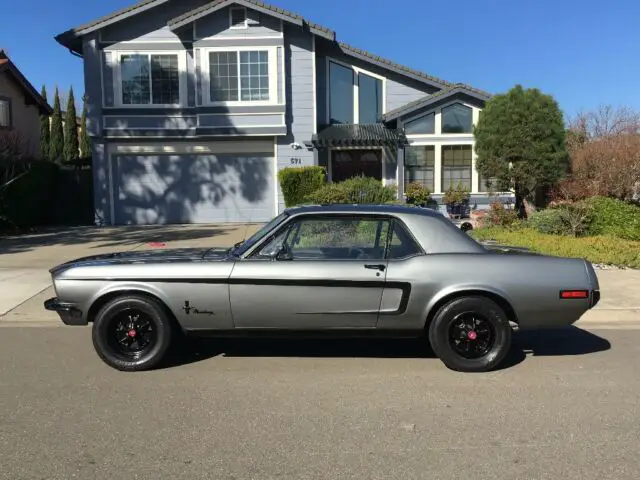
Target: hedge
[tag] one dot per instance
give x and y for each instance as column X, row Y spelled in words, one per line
column 364, row 190
column 298, row 182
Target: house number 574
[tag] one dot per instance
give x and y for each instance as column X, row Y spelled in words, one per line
column 296, row 161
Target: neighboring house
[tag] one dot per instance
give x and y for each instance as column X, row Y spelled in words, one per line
column 195, row 105
column 20, row 105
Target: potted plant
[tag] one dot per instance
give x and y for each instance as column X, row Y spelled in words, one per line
column 417, row 194
column 456, row 199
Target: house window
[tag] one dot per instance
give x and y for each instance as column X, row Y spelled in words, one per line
column 340, row 93
column 456, row 166
column 150, row 79
column 457, row 118
column 488, row 185
column 419, row 166
column 421, row 126
column 369, row 98
column 240, row 76
column 5, row 113
column 238, row 17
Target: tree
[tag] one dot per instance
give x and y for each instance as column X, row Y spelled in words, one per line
column 71, row 130
column 520, row 140
column 45, row 129
column 56, row 142
column 85, row 141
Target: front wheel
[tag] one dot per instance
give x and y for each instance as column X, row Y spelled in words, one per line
column 132, row 333
column 470, row 334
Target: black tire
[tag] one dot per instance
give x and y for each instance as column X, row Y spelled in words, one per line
column 151, row 323
column 464, row 349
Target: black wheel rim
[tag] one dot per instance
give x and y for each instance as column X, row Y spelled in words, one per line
column 471, row 335
column 131, row 334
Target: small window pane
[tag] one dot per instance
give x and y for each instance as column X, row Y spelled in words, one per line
column 223, row 76
column 165, row 80
column 419, row 166
column 457, row 118
column 340, row 239
column 369, row 99
column 134, row 70
column 401, row 245
column 488, row 185
column 422, row 125
column 340, row 93
column 5, row 114
column 456, row 166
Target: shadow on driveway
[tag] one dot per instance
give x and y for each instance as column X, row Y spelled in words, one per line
column 554, row 342
column 109, row 237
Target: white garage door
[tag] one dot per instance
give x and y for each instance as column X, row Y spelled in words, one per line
column 192, row 188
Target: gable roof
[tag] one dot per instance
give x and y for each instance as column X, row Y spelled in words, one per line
column 70, row 38
column 257, row 5
column 7, row 66
column 452, row 89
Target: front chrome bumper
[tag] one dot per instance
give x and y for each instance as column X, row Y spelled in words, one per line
column 69, row 313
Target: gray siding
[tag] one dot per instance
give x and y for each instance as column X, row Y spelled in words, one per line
column 151, row 122
column 152, row 25
column 399, row 94
column 101, row 183
column 108, row 59
column 299, row 94
column 93, row 84
column 239, row 121
column 217, row 25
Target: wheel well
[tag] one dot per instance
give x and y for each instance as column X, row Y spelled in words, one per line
column 502, row 303
column 102, row 301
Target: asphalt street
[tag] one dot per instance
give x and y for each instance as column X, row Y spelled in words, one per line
column 564, row 407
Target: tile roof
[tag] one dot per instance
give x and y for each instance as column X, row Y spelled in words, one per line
column 428, row 99
column 358, row 135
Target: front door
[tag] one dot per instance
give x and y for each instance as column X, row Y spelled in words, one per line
column 333, row 276
column 354, row 163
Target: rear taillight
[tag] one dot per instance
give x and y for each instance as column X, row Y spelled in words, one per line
column 574, row 294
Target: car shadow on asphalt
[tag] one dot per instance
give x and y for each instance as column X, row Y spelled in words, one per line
column 553, row 342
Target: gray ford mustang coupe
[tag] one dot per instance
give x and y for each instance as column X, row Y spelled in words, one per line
column 349, row 269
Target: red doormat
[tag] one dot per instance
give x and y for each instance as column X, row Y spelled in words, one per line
column 156, row 244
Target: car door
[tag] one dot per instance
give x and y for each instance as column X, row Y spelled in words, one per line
column 331, row 275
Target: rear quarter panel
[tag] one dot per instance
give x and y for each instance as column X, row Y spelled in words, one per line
column 531, row 284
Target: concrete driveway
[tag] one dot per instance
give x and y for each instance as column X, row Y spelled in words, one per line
column 26, row 259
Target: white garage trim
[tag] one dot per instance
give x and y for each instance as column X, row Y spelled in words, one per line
column 205, row 147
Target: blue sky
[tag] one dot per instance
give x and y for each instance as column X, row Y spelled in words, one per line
column 582, row 52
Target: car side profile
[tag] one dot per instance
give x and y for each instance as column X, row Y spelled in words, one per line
column 348, row 269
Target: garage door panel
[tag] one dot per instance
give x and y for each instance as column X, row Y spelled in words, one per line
column 158, row 189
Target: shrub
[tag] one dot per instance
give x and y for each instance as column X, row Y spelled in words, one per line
column 363, row 190
column 614, row 217
column 498, row 215
column 298, row 182
column 566, row 218
column 457, row 194
column 417, row 194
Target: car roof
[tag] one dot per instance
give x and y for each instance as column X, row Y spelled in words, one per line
column 364, row 208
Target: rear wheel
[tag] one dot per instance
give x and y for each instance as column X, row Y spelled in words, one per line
column 132, row 333
column 470, row 334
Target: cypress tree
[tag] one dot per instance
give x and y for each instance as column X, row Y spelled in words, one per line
column 71, row 130
column 85, row 141
column 56, row 145
column 45, row 130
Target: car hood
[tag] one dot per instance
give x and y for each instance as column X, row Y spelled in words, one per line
column 147, row 256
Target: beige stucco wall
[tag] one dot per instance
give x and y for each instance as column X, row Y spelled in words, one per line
column 25, row 118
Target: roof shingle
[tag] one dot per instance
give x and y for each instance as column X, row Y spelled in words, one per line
column 357, row 135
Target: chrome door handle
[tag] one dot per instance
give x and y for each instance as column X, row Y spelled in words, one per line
column 377, row 266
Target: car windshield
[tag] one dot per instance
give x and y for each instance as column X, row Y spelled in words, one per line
column 241, row 247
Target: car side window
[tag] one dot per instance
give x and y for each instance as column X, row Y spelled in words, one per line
column 273, row 246
column 340, row 238
column 401, row 245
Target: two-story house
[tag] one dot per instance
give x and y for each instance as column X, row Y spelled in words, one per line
column 195, row 105
column 20, row 107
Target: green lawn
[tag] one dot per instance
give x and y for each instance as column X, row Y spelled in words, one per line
column 602, row 249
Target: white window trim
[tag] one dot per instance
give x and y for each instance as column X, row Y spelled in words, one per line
column 272, row 52
column 238, row 27
column 117, row 78
column 356, row 86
